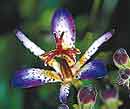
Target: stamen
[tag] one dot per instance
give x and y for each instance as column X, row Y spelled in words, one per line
column 61, row 36
column 60, row 51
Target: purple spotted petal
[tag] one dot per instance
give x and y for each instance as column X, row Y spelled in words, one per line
column 36, row 50
column 64, row 93
column 93, row 70
column 120, row 57
column 62, row 21
column 31, row 77
column 97, row 43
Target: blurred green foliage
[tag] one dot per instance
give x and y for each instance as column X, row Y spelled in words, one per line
column 35, row 20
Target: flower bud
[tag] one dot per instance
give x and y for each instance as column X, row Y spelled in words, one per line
column 124, row 77
column 110, row 97
column 87, row 95
column 120, row 57
column 109, row 92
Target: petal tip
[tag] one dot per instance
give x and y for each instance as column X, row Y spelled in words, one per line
column 63, row 106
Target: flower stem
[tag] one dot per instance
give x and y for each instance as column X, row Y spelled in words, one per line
column 114, row 105
column 88, row 106
column 83, row 106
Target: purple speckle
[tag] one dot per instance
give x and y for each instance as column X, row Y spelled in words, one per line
column 22, row 79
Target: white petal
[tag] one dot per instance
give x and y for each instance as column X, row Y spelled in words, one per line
column 36, row 50
column 32, row 77
column 92, row 50
column 29, row 44
column 64, row 93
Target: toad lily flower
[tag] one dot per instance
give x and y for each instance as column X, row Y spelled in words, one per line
column 110, row 97
column 122, row 62
column 68, row 69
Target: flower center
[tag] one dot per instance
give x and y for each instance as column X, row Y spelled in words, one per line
column 60, row 51
column 66, row 72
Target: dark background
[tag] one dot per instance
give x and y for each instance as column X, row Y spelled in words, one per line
column 92, row 18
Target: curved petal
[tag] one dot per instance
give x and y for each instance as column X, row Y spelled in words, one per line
column 33, row 77
column 36, row 50
column 29, row 44
column 121, row 58
column 92, row 50
column 62, row 22
column 64, row 93
column 93, row 70
column 63, row 106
